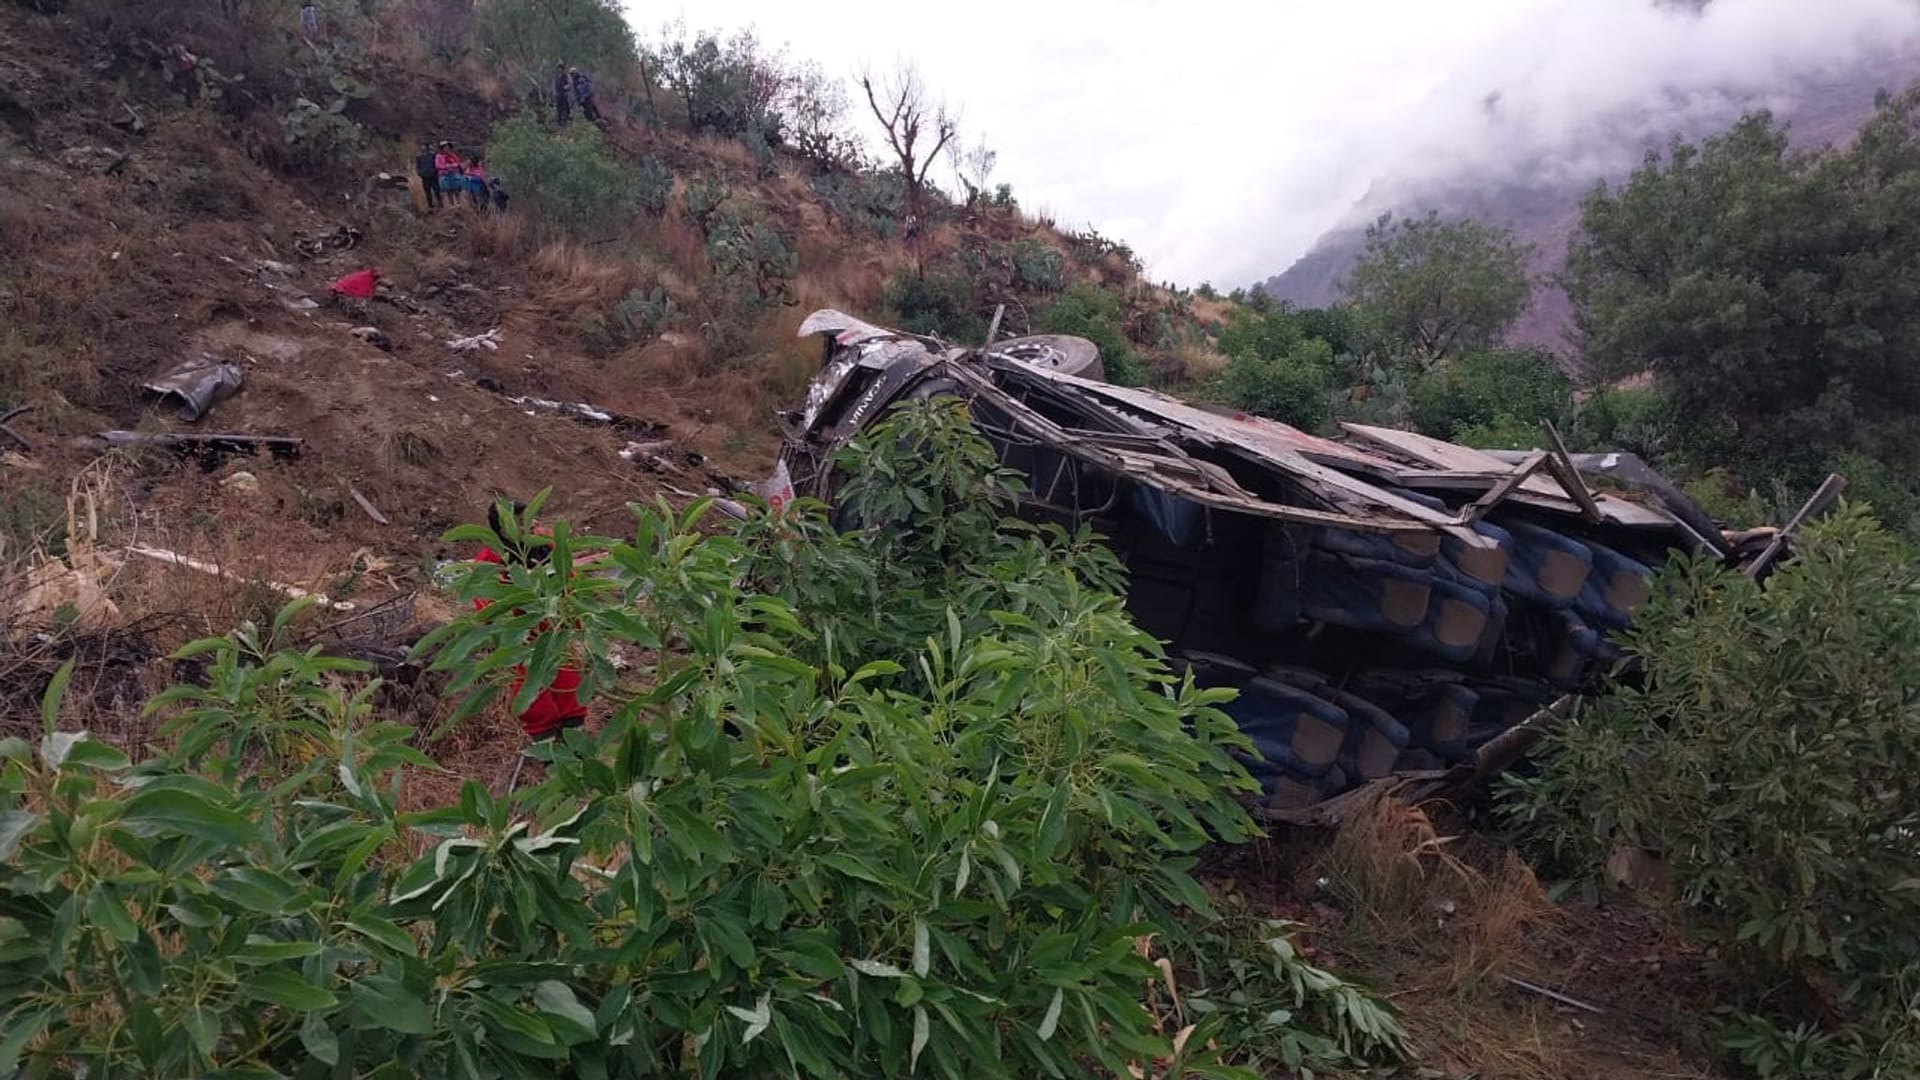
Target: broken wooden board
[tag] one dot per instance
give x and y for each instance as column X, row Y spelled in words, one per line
column 1354, row 498
column 1537, row 490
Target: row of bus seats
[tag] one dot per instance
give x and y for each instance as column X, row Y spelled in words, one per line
column 1313, row 739
column 1542, row 596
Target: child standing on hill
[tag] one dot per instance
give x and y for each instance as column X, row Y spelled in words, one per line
column 451, row 169
column 477, row 187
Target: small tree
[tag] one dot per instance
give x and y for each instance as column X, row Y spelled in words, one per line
column 973, row 168
column 1437, row 287
column 814, row 115
column 567, row 179
column 917, row 126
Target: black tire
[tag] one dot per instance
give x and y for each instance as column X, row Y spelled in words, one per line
column 1067, row 355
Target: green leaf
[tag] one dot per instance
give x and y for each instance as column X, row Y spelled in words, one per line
column 556, row 1000
column 158, row 810
column 385, row 933
column 1051, row 1022
column 922, row 948
column 50, row 701
column 877, row 969
column 105, row 911
column 318, row 1037
column 279, row 986
column 255, row 889
column 14, row 827
column 921, row 1031
column 382, row 1001
column 757, row 1019
column 19, row 1030
column 203, row 1027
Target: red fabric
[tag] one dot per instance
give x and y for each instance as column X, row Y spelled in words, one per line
column 553, row 707
column 447, row 162
column 358, row 284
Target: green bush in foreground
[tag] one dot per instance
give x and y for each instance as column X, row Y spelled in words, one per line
column 1772, row 754
column 896, row 800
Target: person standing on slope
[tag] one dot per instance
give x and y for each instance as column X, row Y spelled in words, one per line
column 451, row 170
column 556, row 708
column 583, row 90
column 477, row 187
column 428, row 170
column 562, row 95
column 309, row 19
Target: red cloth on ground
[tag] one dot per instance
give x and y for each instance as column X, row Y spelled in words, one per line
column 358, row 284
column 553, row 707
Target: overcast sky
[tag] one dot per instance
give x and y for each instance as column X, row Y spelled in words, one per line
column 1220, row 139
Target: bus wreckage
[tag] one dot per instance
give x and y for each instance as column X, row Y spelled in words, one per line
column 1392, row 608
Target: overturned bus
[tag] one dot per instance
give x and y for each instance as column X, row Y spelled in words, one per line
column 1388, row 605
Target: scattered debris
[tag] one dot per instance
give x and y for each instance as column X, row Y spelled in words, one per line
column 373, row 336
column 280, row 446
column 295, row 592
column 130, row 122
column 242, row 483
column 21, row 410
column 343, row 238
column 300, row 303
column 489, row 341
column 372, row 511
column 198, row 384
column 13, row 460
column 1552, row 994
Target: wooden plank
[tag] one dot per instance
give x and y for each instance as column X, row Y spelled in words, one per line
column 1349, row 493
column 1479, row 507
column 1569, row 476
column 1538, row 491
column 1823, row 497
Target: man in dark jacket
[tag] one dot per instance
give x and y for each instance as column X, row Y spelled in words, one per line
column 583, row 89
column 562, row 95
column 429, row 173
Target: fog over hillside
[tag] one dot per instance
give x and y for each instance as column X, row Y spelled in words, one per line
column 1580, row 92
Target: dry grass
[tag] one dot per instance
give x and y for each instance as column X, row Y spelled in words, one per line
column 723, row 149
column 676, row 244
column 1199, row 361
column 571, row 276
column 505, row 237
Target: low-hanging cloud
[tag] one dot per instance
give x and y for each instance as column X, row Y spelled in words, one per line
column 1221, row 140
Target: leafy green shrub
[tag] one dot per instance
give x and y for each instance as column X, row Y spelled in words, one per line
column 641, row 315
column 1097, row 315
column 567, row 179
column 1638, row 420
column 753, row 259
column 1003, row 198
column 1503, row 432
column 1480, row 389
column 702, row 202
column 1771, row 753
column 935, row 303
column 1037, row 266
column 1296, row 387
column 655, row 187
column 870, row 809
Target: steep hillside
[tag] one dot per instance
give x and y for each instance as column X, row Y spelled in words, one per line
column 155, row 210
column 1538, row 196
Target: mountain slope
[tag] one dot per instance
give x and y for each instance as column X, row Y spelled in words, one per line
column 1538, row 195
